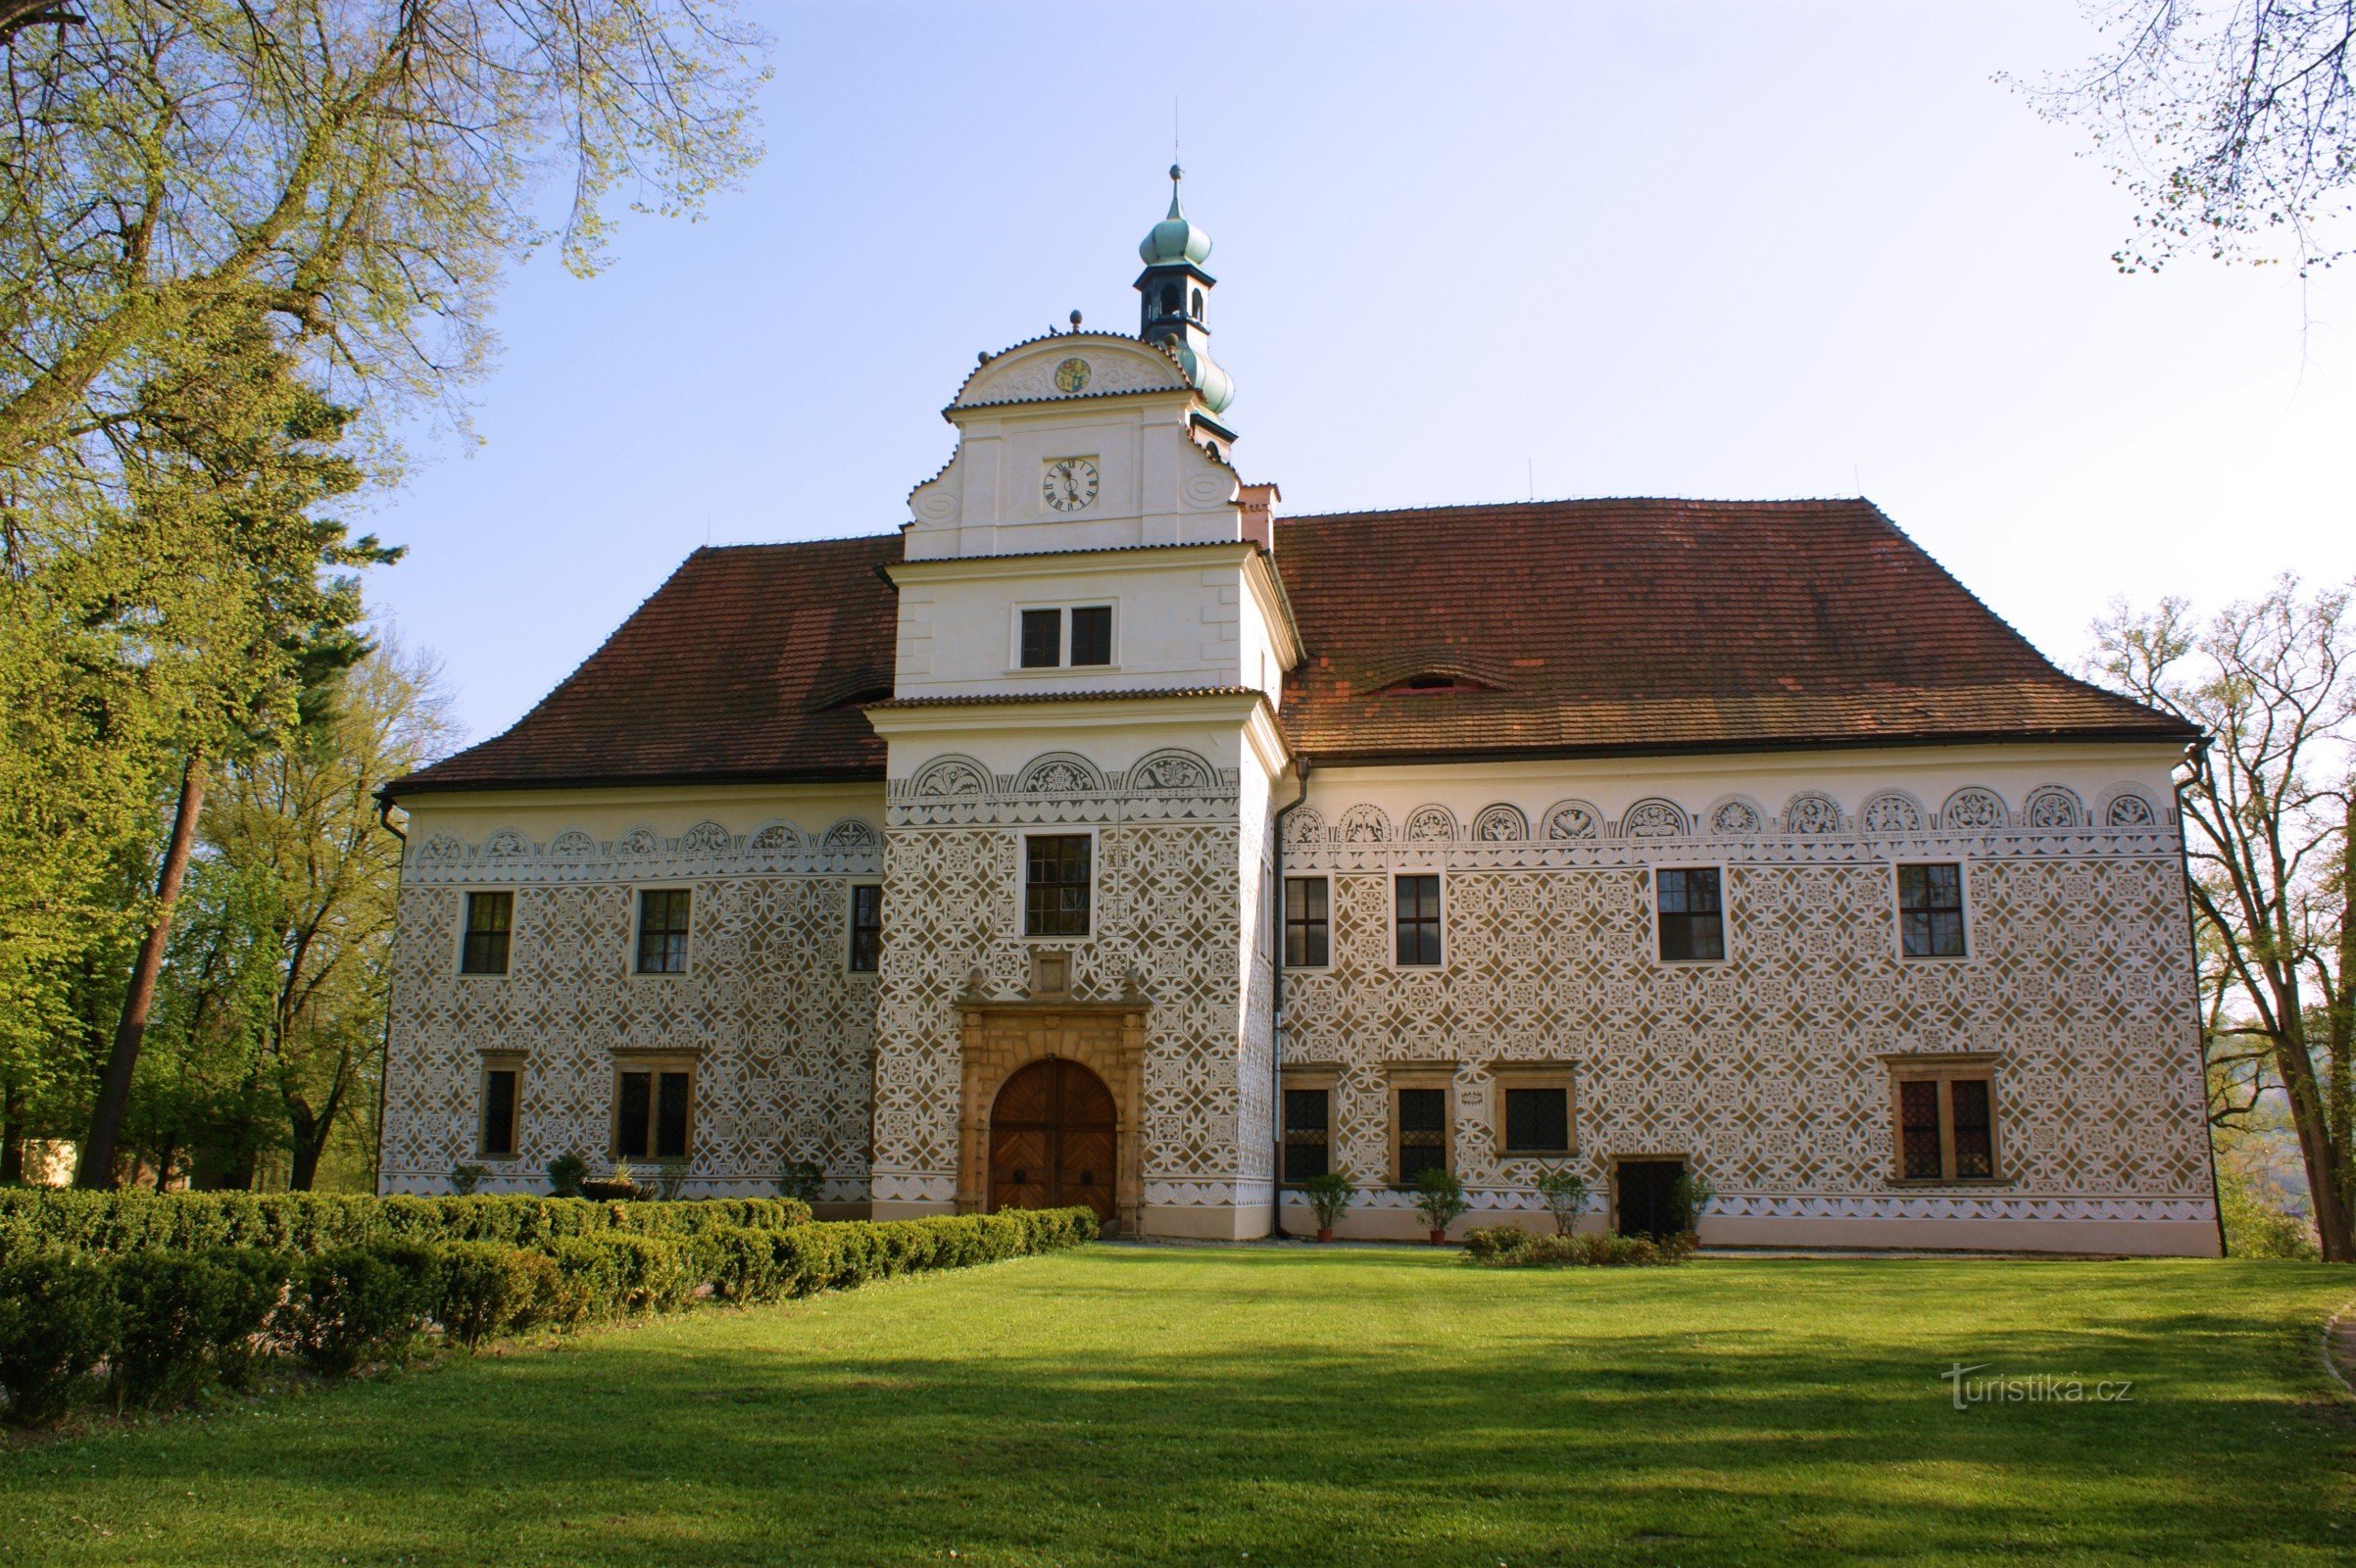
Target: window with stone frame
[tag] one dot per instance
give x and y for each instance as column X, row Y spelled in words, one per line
column 1055, row 885
column 653, row 1109
column 502, row 1108
column 490, row 926
column 867, row 927
column 1092, row 635
column 662, row 921
column 1944, row 1120
column 1307, row 927
column 1931, row 911
column 1416, row 926
column 1422, row 1132
column 1308, row 1133
column 1042, row 639
column 1692, row 913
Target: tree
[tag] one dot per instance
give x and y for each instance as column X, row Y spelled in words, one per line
column 2233, row 125
column 2267, row 805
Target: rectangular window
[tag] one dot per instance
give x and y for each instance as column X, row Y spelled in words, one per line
column 1946, row 1128
column 1422, row 1133
column 867, row 927
column 651, row 1110
column 1306, row 930
column 663, row 931
column 501, row 1100
column 1092, row 635
column 1042, row 639
column 1537, row 1121
column 1055, row 885
column 1692, row 922
column 1417, row 926
column 1931, row 911
column 1308, row 1134
column 490, row 920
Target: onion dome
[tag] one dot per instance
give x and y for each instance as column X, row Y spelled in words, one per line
column 1176, row 238
column 1211, row 383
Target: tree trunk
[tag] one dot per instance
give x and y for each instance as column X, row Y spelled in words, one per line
column 11, row 1153
column 114, row 1090
column 2317, row 1148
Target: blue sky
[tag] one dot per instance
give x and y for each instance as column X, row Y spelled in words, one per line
column 1755, row 250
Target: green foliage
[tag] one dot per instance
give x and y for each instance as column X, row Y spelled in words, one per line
column 565, row 1174
column 1511, row 1246
column 361, row 1305
column 1440, row 1198
column 803, row 1179
column 1564, row 1192
column 188, row 1319
column 316, row 1222
column 1693, row 1193
column 1329, row 1194
column 464, row 1179
column 2256, row 1223
column 58, row 1317
column 489, row 1288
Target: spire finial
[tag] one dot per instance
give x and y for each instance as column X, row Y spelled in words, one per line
column 1075, row 321
column 1176, row 175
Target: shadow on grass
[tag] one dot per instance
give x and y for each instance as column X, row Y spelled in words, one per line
column 1109, row 1408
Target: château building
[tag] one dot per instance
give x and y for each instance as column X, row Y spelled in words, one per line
column 1104, row 836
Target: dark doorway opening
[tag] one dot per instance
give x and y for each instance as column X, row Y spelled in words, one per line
column 1646, row 1196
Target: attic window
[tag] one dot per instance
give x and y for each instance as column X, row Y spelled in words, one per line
column 863, row 697
column 1433, row 682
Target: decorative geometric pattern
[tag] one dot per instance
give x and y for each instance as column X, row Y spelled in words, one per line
column 781, row 1031
column 1766, row 1070
column 1177, row 904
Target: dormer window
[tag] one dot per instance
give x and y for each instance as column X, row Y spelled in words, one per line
column 1433, row 682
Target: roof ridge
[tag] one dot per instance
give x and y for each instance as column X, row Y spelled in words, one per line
column 1756, row 504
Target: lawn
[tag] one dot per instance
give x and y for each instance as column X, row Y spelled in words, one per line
column 1292, row 1406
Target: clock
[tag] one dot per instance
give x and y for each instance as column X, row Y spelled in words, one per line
column 1070, row 483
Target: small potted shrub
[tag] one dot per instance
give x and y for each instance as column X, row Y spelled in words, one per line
column 1440, row 1200
column 1694, row 1193
column 1329, row 1194
column 622, row 1184
column 466, row 1178
column 565, row 1173
column 1564, row 1192
column 803, row 1179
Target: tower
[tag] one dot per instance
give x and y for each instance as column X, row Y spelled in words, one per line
column 1173, row 293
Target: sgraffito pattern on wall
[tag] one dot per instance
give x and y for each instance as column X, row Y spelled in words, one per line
column 783, row 1032
column 1766, row 1069
column 1168, row 895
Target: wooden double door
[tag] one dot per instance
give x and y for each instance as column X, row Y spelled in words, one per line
column 1053, row 1137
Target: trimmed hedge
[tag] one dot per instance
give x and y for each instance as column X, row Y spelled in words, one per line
column 35, row 1219
column 1511, row 1246
column 163, row 1324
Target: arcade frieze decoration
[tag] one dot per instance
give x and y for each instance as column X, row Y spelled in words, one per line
column 851, row 846
column 1168, row 785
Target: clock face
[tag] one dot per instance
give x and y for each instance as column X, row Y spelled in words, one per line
column 1070, row 483
column 1072, row 375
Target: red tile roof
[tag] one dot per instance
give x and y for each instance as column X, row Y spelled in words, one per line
column 1655, row 625
column 1570, row 627
column 742, row 667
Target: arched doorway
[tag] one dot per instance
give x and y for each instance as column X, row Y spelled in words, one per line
column 1052, row 1138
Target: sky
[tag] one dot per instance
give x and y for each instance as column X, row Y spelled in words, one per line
column 1466, row 254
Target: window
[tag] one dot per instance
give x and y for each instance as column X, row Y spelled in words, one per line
column 1092, row 634
column 1692, row 924
column 1042, row 639
column 1305, row 929
column 1537, row 1121
column 651, row 1105
column 1930, row 912
column 1417, row 927
column 1055, row 886
column 1308, row 1134
column 867, row 927
column 502, row 1100
column 1946, row 1129
column 490, row 919
column 1422, row 1133
column 663, row 931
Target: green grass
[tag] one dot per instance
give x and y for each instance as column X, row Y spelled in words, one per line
column 1284, row 1406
